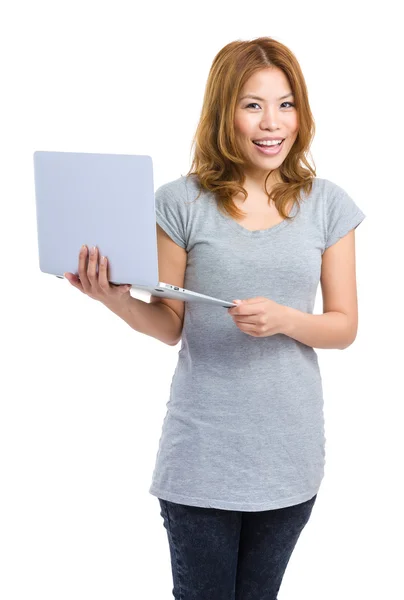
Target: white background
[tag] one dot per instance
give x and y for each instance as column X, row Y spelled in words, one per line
column 83, row 396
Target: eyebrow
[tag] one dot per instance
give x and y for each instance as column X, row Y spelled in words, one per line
column 262, row 99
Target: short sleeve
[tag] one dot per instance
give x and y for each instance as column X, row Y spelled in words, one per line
column 341, row 215
column 171, row 212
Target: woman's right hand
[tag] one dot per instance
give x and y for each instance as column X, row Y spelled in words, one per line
column 97, row 286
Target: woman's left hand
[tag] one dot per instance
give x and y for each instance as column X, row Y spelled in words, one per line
column 259, row 317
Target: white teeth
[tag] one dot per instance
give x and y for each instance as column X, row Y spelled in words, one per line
column 269, row 143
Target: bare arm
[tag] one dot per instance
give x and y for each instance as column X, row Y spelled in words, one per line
column 329, row 330
column 337, row 326
column 154, row 319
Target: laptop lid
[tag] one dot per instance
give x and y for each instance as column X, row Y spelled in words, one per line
column 103, row 200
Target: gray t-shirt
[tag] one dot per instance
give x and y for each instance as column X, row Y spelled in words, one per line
column 244, row 428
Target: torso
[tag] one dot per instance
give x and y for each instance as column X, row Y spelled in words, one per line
column 259, row 214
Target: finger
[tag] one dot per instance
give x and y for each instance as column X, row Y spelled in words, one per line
column 246, row 311
column 124, row 289
column 248, row 329
column 74, row 281
column 243, row 320
column 83, row 268
column 92, row 266
column 102, row 274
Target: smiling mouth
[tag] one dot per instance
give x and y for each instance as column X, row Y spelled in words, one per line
column 269, row 151
column 271, row 146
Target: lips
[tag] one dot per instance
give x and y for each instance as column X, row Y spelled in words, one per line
column 273, row 150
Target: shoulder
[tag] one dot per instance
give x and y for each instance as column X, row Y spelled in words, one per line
column 321, row 187
column 341, row 213
column 333, row 188
column 173, row 188
column 332, row 193
column 182, row 190
column 328, row 196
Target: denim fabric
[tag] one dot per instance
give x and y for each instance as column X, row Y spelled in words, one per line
column 231, row 555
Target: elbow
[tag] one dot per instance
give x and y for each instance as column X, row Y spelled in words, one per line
column 177, row 340
column 348, row 343
column 350, row 333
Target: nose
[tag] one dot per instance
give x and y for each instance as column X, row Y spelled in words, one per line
column 269, row 118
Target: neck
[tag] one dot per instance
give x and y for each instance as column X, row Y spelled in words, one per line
column 256, row 184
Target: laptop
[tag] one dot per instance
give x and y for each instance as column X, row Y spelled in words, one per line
column 103, row 200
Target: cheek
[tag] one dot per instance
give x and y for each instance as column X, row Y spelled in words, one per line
column 244, row 126
column 294, row 125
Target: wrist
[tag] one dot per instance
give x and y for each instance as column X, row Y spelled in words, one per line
column 118, row 305
column 287, row 322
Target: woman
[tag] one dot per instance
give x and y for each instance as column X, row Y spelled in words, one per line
column 241, row 455
column 242, row 451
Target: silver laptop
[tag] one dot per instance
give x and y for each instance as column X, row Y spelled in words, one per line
column 103, row 200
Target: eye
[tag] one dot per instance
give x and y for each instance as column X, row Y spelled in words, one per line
column 251, row 104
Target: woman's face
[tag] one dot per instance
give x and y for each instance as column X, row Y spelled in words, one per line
column 269, row 116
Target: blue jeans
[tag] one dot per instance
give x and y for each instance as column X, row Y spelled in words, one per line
column 228, row 554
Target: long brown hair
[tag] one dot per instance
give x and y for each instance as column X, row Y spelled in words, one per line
column 218, row 158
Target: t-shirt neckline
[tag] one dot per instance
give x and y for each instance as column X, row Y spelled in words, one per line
column 258, row 233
